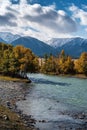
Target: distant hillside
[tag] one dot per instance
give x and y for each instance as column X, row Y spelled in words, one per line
column 1, row 40
column 38, row 47
column 72, row 46
column 8, row 37
column 58, row 42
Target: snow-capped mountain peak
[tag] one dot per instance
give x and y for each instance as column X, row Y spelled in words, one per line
column 58, row 42
column 72, row 46
column 8, row 37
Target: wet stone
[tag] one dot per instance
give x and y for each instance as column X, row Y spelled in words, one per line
column 5, row 117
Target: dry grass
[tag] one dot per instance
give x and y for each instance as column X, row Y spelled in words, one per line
column 13, row 123
column 7, row 78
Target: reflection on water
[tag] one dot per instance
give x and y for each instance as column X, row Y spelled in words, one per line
column 51, row 97
column 45, row 81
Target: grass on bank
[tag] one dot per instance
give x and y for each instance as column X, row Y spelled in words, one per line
column 8, row 78
column 13, row 122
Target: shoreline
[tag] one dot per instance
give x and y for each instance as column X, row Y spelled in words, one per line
column 14, row 79
column 80, row 76
column 11, row 92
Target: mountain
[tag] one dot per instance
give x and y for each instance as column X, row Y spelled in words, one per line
column 72, row 46
column 38, row 47
column 58, row 42
column 8, row 37
column 1, row 40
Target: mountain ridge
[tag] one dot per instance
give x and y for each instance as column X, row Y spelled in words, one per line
column 38, row 47
column 72, row 46
column 8, row 37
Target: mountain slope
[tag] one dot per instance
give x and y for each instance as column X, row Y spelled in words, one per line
column 38, row 47
column 8, row 37
column 72, row 46
column 58, row 42
column 1, row 40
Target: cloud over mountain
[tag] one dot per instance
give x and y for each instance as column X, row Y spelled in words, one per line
column 7, row 20
column 50, row 18
column 25, row 18
column 80, row 14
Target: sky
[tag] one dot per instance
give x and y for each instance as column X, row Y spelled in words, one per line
column 44, row 19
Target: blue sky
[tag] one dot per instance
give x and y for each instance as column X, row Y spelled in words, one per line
column 61, row 4
column 44, row 19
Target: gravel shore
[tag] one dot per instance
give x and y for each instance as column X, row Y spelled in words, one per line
column 10, row 93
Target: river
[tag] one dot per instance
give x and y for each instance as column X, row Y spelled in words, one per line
column 54, row 101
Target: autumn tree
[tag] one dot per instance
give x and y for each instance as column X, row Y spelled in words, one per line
column 69, row 66
column 62, row 60
column 15, row 60
column 81, row 64
column 27, row 61
column 62, row 64
column 49, row 66
column 5, row 52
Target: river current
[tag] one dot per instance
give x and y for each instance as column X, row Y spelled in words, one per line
column 51, row 100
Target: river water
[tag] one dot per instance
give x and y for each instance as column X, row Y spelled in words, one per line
column 51, row 100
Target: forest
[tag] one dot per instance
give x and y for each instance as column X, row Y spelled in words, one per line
column 20, row 60
column 17, row 60
column 63, row 64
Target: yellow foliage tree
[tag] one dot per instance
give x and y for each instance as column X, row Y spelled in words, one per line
column 81, row 64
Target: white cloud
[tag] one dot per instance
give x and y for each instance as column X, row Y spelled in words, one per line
column 23, row 2
column 3, row 5
column 86, row 29
column 25, row 19
column 50, row 18
column 79, row 14
column 61, row 12
column 84, row 6
column 73, row 8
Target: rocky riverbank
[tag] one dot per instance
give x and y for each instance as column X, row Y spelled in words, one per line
column 10, row 93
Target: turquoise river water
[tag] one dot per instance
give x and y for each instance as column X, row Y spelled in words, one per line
column 51, row 100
